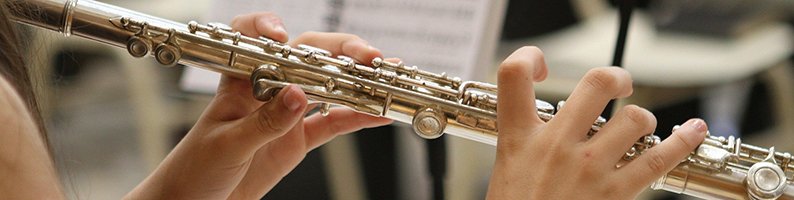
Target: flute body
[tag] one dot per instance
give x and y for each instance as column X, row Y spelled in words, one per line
column 215, row 47
column 721, row 168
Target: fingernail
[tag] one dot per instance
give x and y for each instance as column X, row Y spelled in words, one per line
column 291, row 99
column 697, row 124
column 280, row 28
column 276, row 25
column 700, row 125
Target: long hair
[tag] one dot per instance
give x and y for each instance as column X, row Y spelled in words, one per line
column 13, row 67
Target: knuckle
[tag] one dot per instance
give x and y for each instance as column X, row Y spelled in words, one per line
column 270, row 16
column 602, row 80
column 641, row 117
column 525, row 56
column 350, row 37
column 526, row 62
column 656, row 162
column 688, row 145
column 307, row 35
column 515, row 67
column 267, row 123
column 535, row 55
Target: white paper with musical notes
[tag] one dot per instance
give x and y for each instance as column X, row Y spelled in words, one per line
column 435, row 35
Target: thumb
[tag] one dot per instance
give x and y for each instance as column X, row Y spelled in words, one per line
column 273, row 119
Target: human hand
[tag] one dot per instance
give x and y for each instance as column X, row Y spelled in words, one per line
column 240, row 147
column 555, row 160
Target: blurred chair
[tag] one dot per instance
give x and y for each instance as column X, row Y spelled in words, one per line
column 676, row 62
column 155, row 118
column 654, row 58
column 670, row 67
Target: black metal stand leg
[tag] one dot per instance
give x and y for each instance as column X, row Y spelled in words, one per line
column 437, row 164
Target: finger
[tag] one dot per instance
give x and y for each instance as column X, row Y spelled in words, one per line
column 309, row 108
column 271, row 163
column 516, row 102
column 622, row 131
column 232, row 85
column 340, row 44
column 321, row 129
column 392, row 60
column 662, row 158
column 233, row 100
column 258, row 24
column 273, row 119
column 589, row 98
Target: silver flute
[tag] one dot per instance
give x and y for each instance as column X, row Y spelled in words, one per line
column 433, row 104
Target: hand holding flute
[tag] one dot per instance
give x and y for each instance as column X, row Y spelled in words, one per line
column 539, row 152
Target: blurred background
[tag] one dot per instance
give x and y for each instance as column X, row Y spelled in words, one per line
column 113, row 118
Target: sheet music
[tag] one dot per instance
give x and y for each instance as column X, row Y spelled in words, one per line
column 298, row 16
column 438, row 36
column 435, row 35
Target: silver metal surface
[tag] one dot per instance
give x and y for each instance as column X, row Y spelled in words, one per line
column 68, row 12
column 433, row 103
column 765, row 179
column 725, row 168
column 429, row 123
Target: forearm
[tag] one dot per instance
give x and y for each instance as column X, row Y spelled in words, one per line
column 169, row 183
column 184, row 174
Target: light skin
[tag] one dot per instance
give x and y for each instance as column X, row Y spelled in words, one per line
column 240, row 147
column 24, row 161
column 555, row 160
